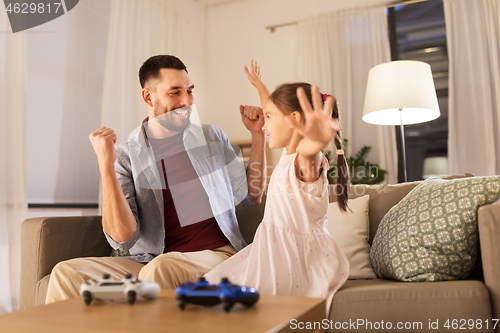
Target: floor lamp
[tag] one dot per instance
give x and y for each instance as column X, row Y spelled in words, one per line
column 400, row 93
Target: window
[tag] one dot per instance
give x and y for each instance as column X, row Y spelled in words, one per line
column 421, row 35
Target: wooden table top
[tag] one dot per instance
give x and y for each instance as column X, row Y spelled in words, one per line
column 269, row 314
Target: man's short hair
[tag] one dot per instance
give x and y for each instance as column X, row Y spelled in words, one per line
column 150, row 69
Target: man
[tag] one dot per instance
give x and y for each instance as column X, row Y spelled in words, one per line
column 168, row 207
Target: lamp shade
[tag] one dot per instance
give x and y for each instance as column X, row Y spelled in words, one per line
column 436, row 166
column 400, row 92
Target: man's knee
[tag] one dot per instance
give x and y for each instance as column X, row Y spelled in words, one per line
column 64, row 268
column 163, row 264
column 169, row 271
column 64, row 282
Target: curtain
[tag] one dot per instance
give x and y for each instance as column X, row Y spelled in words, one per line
column 138, row 29
column 473, row 37
column 336, row 51
column 13, row 202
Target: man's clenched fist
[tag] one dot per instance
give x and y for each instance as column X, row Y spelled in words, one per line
column 252, row 117
column 103, row 140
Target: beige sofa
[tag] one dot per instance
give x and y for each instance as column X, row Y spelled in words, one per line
column 358, row 305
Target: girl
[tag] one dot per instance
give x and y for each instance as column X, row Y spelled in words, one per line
column 292, row 252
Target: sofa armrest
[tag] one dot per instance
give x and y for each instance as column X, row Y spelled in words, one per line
column 489, row 234
column 48, row 240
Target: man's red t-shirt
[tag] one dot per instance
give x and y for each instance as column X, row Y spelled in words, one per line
column 199, row 230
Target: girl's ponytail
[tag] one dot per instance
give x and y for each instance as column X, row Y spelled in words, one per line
column 342, row 179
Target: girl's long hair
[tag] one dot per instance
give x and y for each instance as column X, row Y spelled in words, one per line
column 285, row 99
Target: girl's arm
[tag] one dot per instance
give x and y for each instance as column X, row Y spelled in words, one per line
column 309, row 158
column 253, row 75
column 319, row 129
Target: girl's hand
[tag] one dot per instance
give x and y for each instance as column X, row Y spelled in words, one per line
column 253, row 74
column 319, row 125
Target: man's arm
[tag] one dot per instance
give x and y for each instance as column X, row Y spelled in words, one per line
column 117, row 218
column 253, row 119
column 256, row 171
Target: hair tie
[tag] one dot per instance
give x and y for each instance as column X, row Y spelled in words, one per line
column 325, row 96
column 340, row 152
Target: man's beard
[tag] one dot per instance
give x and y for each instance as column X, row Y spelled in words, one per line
column 167, row 120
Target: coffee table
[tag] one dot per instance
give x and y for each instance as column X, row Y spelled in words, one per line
column 269, row 314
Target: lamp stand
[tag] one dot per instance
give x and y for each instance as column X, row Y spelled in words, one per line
column 403, row 143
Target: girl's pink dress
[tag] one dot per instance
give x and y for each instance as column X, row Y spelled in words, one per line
column 292, row 252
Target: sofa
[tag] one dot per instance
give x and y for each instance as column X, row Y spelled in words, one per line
column 363, row 304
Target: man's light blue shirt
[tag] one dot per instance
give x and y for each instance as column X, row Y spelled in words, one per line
column 220, row 171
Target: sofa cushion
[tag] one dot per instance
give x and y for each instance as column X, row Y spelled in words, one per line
column 41, row 290
column 432, row 234
column 382, row 198
column 393, row 301
column 350, row 231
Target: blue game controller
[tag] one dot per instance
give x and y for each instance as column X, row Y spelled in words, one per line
column 203, row 293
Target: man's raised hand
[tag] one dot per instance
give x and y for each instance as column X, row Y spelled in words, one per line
column 103, row 141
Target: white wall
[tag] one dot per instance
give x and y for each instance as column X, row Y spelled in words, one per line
column 65, row 60
column 236, row 32
column 65, row 69
column 194, row 56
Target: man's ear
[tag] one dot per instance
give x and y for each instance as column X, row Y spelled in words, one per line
column 147, row 96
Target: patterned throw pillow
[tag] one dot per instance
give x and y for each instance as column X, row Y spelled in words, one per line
column 432, row 233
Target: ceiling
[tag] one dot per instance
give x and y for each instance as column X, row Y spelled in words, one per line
column 214, row 2
column 218, row 2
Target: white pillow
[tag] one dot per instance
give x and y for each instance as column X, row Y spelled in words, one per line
column 351, row 232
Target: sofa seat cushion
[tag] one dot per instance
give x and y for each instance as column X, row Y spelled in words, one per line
column 41, row 290
column 394, row 301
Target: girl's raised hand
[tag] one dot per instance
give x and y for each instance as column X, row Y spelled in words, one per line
column 253, row 74
column 319, row 125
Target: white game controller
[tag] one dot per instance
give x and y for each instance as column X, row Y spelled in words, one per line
column 109, row 289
